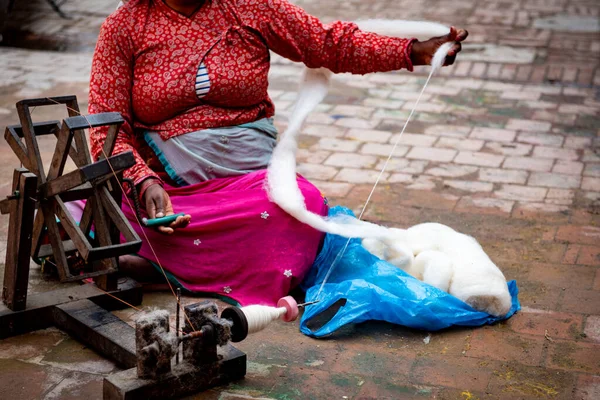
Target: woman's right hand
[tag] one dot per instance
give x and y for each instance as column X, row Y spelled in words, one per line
column 158, row 204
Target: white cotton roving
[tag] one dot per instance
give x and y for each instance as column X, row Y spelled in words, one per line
column 435, row 268
column 450, row 261
column 281, row 184
column 394, row 251
column 434, row 253
column 421, row 30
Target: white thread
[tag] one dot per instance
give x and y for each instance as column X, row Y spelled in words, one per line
column 436, row 63
column 259, row 317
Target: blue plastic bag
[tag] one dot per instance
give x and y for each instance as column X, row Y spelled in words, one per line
column 376, row 290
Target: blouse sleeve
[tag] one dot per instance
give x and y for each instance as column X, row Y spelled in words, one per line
column 110, row 90
column 340, row 46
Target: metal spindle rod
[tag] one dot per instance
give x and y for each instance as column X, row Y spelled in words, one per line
column 177, row 322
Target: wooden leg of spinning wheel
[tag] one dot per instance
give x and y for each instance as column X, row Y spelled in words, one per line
column 108, row 283
column 115, row 234
column 16, row 273
column 102, row 231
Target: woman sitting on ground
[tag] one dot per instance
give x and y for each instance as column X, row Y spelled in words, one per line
column 190, row 80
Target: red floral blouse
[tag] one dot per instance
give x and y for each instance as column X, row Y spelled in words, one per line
column 147, row 57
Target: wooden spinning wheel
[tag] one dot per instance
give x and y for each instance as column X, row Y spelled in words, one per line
column 49, row 190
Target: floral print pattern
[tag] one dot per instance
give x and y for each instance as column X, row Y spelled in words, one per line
column 148, row 55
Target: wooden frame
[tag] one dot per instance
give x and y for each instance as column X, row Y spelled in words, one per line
column 90, row 182
column 16, row 268
column 82, row 311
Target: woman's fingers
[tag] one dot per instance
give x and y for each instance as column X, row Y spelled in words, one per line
column 155, row 201
column 156, row 209
column 181, row 221
column 166, row 230
column 457, row 47
column 450, row 60
column 451, row 37
column 456, row 35
column 454, row 50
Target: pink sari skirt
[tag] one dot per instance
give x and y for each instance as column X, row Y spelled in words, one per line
column 239, row 245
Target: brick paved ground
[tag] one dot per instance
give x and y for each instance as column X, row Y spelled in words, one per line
column 505, row 147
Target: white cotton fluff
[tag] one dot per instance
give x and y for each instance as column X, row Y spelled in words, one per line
column 450, row 261
column 397, row 252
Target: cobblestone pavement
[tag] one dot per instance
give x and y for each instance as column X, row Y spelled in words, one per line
column 505, row 147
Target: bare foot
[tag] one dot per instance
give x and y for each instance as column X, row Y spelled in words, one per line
column 139, row 269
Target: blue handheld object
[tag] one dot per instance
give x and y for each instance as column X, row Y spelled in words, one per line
column 162, row 221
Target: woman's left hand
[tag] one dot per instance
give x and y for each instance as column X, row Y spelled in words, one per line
column 422, row 52
column 158, row 204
